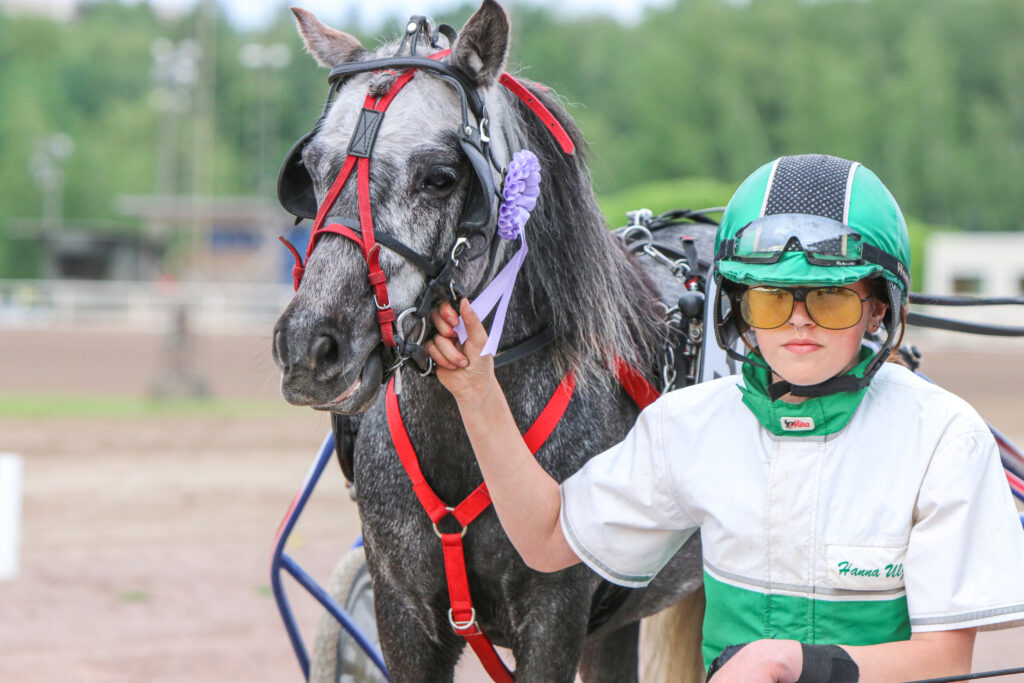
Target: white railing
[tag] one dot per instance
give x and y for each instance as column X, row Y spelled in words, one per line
column 213, row 306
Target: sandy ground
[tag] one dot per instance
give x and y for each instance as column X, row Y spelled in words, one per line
column 146, row 542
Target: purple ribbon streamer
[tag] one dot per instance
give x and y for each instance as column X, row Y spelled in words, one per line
column 497, row 292
column 519, row 195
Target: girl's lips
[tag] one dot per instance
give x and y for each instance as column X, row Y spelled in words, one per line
column 802, row 346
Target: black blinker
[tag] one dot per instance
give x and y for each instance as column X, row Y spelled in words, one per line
column 294, row 183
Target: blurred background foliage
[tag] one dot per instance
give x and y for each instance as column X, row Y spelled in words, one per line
column 677, row 108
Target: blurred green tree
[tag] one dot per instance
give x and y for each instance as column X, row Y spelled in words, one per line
column 928, row 93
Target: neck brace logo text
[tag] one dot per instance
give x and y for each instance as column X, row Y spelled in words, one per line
column 797, row 424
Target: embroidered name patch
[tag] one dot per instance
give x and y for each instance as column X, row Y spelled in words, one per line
column 797, row 424
column 864, row 567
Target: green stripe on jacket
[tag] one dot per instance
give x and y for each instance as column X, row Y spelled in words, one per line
column 737, row 615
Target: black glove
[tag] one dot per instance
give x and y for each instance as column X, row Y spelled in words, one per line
column 822, row 664
column 827, row 664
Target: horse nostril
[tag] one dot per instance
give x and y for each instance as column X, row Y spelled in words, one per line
column 325, row 353
column 280, row 350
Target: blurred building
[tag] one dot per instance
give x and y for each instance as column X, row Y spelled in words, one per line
column 65, row 10
column 975, row 263
column 221, row 239
column 984, row 264
column 62, row 10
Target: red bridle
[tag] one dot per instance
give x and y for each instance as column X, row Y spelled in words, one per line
column 365, row 238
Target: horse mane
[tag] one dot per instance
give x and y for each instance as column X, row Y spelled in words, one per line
column 599, row 302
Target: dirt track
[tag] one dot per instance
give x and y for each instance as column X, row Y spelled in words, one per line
column 146, row 542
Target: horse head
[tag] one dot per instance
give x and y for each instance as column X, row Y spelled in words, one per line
column 399, row 175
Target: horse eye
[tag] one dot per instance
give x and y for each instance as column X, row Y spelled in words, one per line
column 439, row 179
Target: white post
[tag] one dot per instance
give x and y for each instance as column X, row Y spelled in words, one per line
column 10, row 514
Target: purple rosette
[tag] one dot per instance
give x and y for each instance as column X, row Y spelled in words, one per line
column 519, row 194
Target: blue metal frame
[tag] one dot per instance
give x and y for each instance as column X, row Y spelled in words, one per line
column 282, row 560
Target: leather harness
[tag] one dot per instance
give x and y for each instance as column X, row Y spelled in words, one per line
column 295, row 192
column 462, row 615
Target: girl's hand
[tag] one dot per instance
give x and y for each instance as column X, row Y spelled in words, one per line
column 763, row 661
column 460, row 367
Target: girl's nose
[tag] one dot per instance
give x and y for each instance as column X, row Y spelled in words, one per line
column 799, row 317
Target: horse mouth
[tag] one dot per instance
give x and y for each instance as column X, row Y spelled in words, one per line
column 358, row 395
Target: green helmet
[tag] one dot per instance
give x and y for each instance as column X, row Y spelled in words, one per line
column 811, row 219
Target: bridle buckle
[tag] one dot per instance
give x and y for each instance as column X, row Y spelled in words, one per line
column 457, row 248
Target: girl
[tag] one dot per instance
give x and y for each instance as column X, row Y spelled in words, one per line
column 856, row 524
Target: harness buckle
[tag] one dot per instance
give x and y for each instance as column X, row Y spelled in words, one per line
column 462, row 625
column 462, row 534
column 639, row 216
column 377, row 304
column 484, row 136
column 681, row 269
column 459, row 247
column 400, row 323
column 627, row 234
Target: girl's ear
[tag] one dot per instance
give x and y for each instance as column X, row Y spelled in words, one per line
column 876, row 314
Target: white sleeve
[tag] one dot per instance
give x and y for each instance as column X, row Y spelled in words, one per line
column 965, row 560
column 620, row 513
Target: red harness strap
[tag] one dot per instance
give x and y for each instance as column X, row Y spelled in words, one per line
column 462, row 614
column 636, row 385
column 538, row 108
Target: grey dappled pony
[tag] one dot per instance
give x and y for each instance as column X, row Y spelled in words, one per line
column 577, row 279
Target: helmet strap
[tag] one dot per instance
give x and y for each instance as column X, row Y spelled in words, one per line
column 728, row 344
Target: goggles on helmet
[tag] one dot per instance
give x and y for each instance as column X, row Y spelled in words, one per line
column 833, row 308
column 823, row 241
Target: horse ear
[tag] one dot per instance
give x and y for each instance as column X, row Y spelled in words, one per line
column 328, row 46
column 482, row 45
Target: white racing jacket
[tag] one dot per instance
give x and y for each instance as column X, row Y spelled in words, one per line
column 902, row 521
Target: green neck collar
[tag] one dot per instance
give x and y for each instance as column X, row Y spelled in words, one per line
column 815, row 416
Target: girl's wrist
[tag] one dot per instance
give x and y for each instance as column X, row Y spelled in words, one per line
column 785, row 658
column 477, row 394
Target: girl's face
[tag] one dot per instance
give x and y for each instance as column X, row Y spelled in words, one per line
column 802, row 353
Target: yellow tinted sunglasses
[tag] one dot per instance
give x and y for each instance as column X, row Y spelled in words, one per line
column 833, row 308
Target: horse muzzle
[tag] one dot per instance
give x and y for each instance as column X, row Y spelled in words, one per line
column 320, row 368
